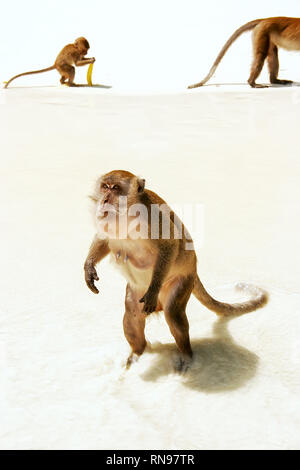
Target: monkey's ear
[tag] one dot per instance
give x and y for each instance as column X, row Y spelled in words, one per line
column 141, row 185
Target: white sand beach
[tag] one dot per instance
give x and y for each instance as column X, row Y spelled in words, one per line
column 235, row 150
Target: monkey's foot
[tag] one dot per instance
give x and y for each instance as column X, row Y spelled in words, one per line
column 182, row 364
column 257, row 85
column 281, row 82
column 131, row 360
column 69, row 84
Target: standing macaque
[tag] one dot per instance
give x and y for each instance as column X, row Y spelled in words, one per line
column 70, row 55
column 161, row 271
column 268, row 35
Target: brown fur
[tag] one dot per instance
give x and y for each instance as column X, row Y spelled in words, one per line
column 268, row 35
column 161, row 273
column 70, row 55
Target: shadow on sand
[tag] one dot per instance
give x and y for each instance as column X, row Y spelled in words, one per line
column 268, row 85
column 219, row 364
column 93, row 86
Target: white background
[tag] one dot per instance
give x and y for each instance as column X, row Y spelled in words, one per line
column 139, row 45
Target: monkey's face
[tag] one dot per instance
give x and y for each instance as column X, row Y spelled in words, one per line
column 116, row 191
column 117, row 195
column 82, row 44
column 109, row 197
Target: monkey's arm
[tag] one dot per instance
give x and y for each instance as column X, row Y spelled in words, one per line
column 98, row 250
column 162, row 265
column 81, row 62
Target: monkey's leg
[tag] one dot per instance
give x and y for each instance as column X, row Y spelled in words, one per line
column 260, row 52
column 174, row 297
column 134, row 324
column 273, row 64
column 67, row 73
column 71, row 76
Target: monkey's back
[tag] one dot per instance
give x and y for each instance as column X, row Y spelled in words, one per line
column 69, row 54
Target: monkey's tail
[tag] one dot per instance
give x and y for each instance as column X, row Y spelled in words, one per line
column 259, row 299
column 29, row 73
column 235, row 35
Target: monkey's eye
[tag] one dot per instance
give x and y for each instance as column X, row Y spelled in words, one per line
column 116, row 187
column 104, row 186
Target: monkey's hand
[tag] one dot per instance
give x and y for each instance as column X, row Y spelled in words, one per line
column 90, row 277
column 150, row 301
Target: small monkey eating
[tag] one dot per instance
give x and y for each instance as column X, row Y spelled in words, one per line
column 154, row 252
column 268, row 35
column 70, row 55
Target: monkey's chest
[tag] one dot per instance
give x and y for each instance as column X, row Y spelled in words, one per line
column 136, row 265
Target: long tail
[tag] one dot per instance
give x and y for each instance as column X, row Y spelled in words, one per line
column 259, row 299
column 29, row 73
column 236, row 34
